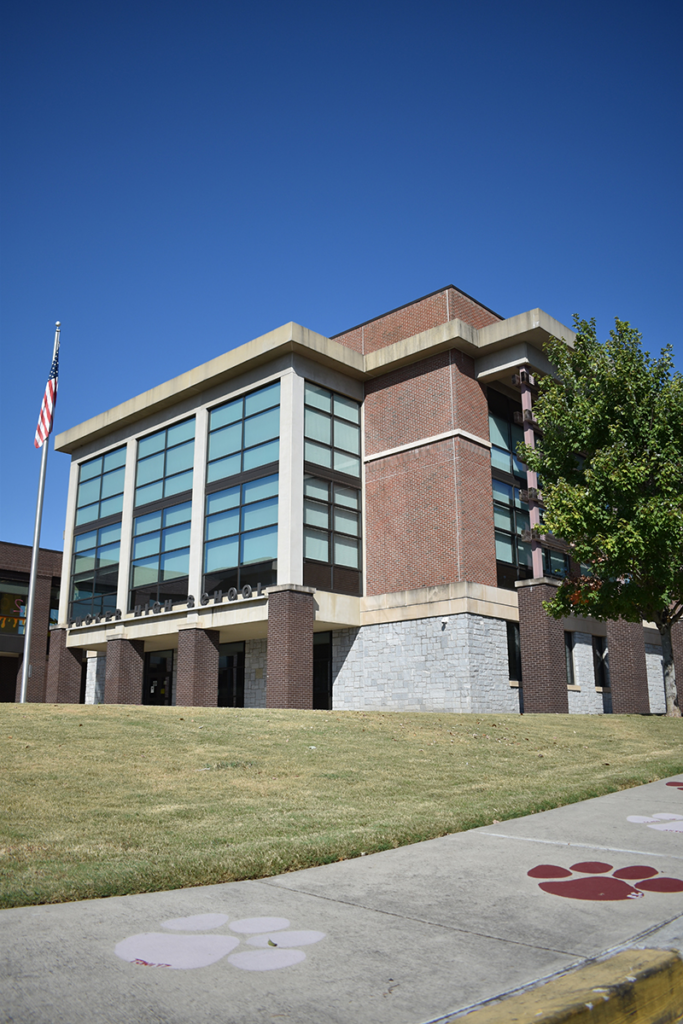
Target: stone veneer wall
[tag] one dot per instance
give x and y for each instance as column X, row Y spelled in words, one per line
column 255, row 667
column 586, row 701
column 655, row 678
column 424, row 665
column 94, row 679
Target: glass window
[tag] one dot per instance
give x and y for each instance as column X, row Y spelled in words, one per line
column 331, row 430
column 331, row 526
column 13, row 597
column 316, row 545
column 244, row 433
column 95, row 571
column 161, row 553
column 241, row 524
column 165, row 461
column 100, row 487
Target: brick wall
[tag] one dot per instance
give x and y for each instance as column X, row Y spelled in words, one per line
column 197, row 677
column 125, row 671
column 415, row 317
column 544, row 673
column 64, row 671
column 627, row 668
column 289, row 681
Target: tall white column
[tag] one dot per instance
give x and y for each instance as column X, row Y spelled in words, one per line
column 201, row 435
column 65, row 586
column 127, row 525
column 290, row 552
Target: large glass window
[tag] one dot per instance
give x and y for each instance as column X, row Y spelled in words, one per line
column 13, row 597
column 244, row 434
column 505, row 437
column 100, row 487
column 331, row 523
column 161, row 556
column 332, row 431
column 241, row 533
column 510, row 518
column 95, row 571
column 165, row 461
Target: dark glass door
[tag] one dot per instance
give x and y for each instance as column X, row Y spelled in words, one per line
column 322, row 671
column 158, row 681
column 231, row 675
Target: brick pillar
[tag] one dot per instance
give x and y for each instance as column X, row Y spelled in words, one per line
column 541, row 640
column 36, row 689
column 64, row 671
column 124, row 673
column 677, row 644
column 627, row 668
column 291, row 613
column 197, row 678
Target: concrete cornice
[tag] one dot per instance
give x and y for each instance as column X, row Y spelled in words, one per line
column 495, row 348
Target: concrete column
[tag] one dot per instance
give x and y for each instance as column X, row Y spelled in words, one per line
column 201, row 443
column 65, row 591
column 291, row 613
column 123, row 588
column 125, row 671
column 290, row 548
column 541, row 638
column 627, row 668
column 64, row 671
column 197, row 676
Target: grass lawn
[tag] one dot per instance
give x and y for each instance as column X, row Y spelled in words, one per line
column 106, row 800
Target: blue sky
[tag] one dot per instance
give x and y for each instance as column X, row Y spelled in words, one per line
column 179, row 178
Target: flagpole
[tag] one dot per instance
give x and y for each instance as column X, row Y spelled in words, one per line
column 26, row 666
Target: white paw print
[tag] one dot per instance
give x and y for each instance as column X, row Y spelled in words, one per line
column 661, row 822
column 273, row 945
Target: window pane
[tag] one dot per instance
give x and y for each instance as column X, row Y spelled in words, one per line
column 223, row 524
column 347, row 437
column 180, row 458
column 264, row 398
column 90, row 469
column 347, row 496
column 111, row 506
column 256, row 490
column 147, row 545
column 218, row 502
column 87, row 514
column 262, row 513
column 85, row 541
column 314, row 488
column 178, row 483
column 523, row 553
column 178, row 514
column 318, row 426
column 224, row 467
column 89, row 491
column 84, row 562
column 317, row 454
column 176, row 537
column 316, row 545
column 504, row 549
column 347, row 463
column 146, row 524
column 145, row 572
column 108, row 555
column 502, row 492
column 261, row 456
column 259, row 545
column 498, row 431
column 500, row 460
column 519, row 503
column 112, row 483
column 517, row 436
column 151, row 468
column 112, row 460
column 519, row 469
column 151, row 444
column 316, row 515
column 502, row 518
column 319, row 397
column 225, row 441
column 177, row 563
column 522, row 519
column 347, row 409
column 262, row 427
column 229, row 413
column 180, row 432
column 346, row 522
column 220, row 554
column 152, row 492
column 346, row 552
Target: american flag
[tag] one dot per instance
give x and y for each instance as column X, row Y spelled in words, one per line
column 47, row 409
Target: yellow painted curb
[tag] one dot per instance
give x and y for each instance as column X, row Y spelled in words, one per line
column 639, row 986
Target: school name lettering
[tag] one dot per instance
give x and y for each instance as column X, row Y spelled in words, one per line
column 245, row 594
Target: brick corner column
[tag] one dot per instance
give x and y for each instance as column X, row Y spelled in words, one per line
column 541, row 641
column 124, row 672
column 289, row 680
column 64, row 671
column 677, row 645
column 627, row 668
column 197, row 677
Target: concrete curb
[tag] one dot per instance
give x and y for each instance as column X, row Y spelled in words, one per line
column 638, row 986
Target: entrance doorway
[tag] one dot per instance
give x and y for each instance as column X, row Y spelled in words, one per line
column 231, row 675
column 158, row 680
column 322, row 671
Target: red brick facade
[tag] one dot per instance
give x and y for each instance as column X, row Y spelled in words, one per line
column 541, row 638
column 627, row 668
column 289, row 682
column 64, row 671
column 125, row 672
column 421, row 315
column 197, row 676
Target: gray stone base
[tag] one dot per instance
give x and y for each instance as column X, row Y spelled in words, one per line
column 94, row 678
column 655, row 679
column 255, row 661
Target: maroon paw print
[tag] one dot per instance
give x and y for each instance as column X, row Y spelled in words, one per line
column 676, row 785
column 625, row 884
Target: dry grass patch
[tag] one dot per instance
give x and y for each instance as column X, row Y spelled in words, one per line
column 107, row 800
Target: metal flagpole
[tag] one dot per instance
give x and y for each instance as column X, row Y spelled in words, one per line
column 26, row 666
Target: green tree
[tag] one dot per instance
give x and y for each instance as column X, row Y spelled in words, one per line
column 611, row 464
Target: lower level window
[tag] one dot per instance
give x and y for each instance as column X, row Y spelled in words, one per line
column 95, row 571
column 240, row 538
column 161, row 556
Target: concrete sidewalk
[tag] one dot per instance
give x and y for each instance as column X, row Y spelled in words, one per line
column 407, row 936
